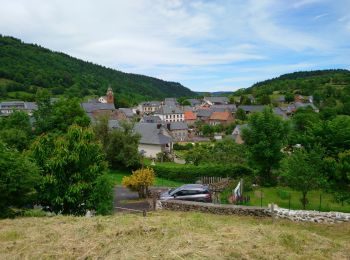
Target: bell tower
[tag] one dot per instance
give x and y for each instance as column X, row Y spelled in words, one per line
column 110, row 96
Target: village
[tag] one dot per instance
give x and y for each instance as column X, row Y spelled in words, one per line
column 163, row 123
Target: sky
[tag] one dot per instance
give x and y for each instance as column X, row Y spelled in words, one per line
column 205, row 45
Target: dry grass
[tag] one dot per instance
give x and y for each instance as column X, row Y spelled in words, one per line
column 170, row 235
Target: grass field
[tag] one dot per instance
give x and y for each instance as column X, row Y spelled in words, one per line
column 170, row 235
column 280, row 195
column 117, row 176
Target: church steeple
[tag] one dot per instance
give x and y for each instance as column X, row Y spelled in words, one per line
column 110, row 96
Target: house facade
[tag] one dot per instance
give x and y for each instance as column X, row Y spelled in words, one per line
column 179, row 131
column 170, row 114
column 155, row 138
column 149, row 107
column 221, row 118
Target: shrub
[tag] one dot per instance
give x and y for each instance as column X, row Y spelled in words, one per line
column 191, row 173
column 180, row 147
column 139, row 181
column 102, row 195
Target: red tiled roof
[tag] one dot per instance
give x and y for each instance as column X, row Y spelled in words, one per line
column 189, row 115
column 224, row 116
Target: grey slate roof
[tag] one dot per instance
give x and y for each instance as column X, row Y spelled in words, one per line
column 113, row 124
column 221, row 100
column 222, row 108
column 151, row 104
column 170, row 101
column 252, row 108
column 278, row 111
column 90, row 107
column 167, row 110
column 150, row 134
column 21, row 105
column 204, row 112
column 178, row 126
column 194, row 101
column 127, row 112
column 150, row 119
column 305, row 105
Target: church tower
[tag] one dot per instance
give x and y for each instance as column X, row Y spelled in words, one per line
column 110, row 96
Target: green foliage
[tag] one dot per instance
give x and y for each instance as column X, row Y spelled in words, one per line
column 18, row 176
column 304, row 171
column 58, row 115
column 70, row 164
column 191, row 173
column 264, row 137
column 180, row 147
column 240, row 114
column 28, row 65
column 139, row 181
column 102, row 195
column 119, row 145
column 225, row 152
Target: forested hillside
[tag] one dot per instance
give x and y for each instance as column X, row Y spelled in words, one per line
column 329, row 88
column 26, row 67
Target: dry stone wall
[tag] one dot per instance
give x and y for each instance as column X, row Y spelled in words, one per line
column 223, row 209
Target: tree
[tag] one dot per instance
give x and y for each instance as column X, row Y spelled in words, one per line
column 200, row 153
column 139, row 181
column 265, row 100
column 18, row 176
column 119, row 145
column 59, row 115
column 264, row 137
column 289, row 97
column 303, row 171
column 71, row 165
column 240, row 114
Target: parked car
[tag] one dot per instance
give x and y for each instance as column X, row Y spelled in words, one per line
column 191, row 192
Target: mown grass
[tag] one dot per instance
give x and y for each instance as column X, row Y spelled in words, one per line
column 279, row 196
column 171, row 235
column 117, row 176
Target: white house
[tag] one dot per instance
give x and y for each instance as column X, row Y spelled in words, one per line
column 155, row 138
column 170, row 114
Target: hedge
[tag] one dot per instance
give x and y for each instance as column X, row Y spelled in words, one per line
column 191, row 173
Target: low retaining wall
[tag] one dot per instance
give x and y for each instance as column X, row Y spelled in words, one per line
column 224, row 209
column 221, row 209
column 312, row 216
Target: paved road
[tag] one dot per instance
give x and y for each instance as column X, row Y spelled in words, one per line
column 125, row 198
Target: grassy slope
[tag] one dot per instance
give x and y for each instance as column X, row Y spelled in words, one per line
column 171, row 235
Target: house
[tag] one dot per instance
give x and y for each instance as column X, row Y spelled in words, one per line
column 216, row 100
column 127, row 112
column 204, row 115
column 149, row 107
column 194, row 102
column 170, row 102
column 178, row 130
column 237, row 133
column 279, row 99
column 280, row 112
column 95, row 110
column 109, row 98
column 223, row 118
column 252, row 108
column 151, row 119
column 8, row 107
column 305, row 105
column 190, row 117
column 221, row 108
column 170, row 114
column 155, row 138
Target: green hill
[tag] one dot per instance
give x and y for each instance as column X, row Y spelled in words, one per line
column 330, row 88
column 26, row 67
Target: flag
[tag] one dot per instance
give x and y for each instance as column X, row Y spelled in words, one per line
column 237, row 191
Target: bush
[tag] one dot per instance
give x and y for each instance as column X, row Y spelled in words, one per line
column 180, row 147
column 102, row 195
column 139, row 181
column 191, row 173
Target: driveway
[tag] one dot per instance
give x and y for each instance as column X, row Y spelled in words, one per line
column 125, row 198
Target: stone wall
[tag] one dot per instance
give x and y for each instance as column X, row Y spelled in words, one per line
column 312, row 216
column 224, row 209
column 220, row 209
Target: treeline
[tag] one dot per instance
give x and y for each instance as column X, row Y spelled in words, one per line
column 59, row 161
column 30, row 67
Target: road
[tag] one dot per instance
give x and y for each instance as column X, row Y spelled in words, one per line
column 125, row 198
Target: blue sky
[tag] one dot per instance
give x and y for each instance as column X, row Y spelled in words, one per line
column 205, row 45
